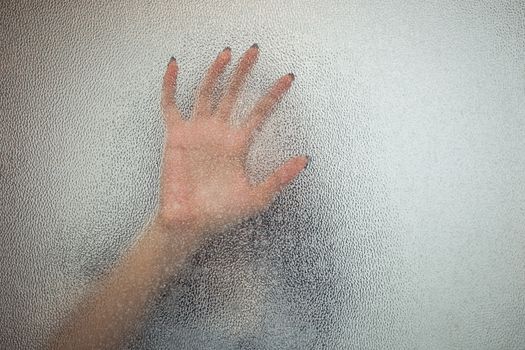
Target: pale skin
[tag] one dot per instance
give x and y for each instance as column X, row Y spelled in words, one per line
column 204, row 188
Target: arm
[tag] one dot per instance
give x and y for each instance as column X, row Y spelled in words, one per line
column 204, row 187
column 119, row 302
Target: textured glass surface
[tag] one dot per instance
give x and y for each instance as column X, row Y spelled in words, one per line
column 406, row 231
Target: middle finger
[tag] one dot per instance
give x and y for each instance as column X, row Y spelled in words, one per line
column 225, row 107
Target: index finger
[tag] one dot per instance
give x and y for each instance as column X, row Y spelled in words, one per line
column 263, row 107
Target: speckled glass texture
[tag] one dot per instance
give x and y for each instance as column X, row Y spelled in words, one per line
column 406, row 231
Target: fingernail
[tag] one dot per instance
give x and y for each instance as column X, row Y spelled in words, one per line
column 227, row 48
column 255, row 45
column 171, row 60
column 292, row 76
column 307, row 162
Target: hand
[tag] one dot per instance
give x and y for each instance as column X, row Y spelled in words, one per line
column 204, row 185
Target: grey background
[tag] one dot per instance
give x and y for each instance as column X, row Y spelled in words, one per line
column 406, row 231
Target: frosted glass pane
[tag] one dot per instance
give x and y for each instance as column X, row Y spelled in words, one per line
column 406, row 230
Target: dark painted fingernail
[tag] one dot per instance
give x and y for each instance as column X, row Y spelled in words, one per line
column 292, row 75
column 308, row 162
column 255, row 45
column 171, row 60
column 227, row 48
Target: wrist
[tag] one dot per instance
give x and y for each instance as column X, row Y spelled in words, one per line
column 172, row 239
column 174, row 229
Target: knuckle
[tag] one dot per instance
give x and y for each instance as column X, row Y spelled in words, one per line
column 275, row 94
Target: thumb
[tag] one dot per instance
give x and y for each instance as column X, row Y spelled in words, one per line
column 264, row 193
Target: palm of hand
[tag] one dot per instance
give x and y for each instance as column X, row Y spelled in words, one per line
column 204, row 184
column 204, row 175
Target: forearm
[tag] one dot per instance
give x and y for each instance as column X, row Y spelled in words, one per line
column 113, row 310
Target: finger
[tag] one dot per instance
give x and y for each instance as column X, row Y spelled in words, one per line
column 203, row 100
column 264, row 106
column 169, row 83
column 225, row 107
column 264, row 193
